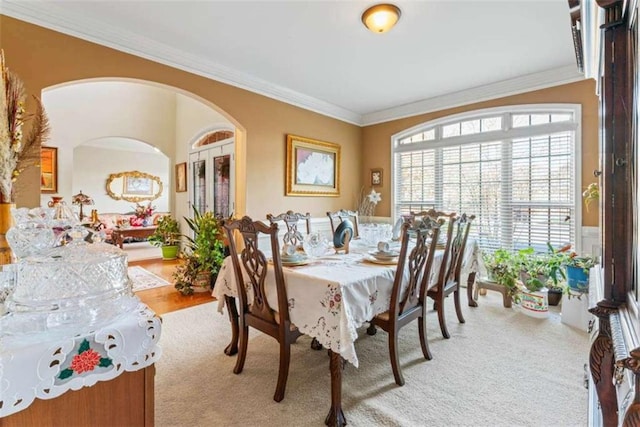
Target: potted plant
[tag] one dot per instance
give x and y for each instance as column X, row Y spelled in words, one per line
column 186, row 275
column 167, row 237
column 204, row 255
column 542, row 275
column 577, row 268
column 501, row 269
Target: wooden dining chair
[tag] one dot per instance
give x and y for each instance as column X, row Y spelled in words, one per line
column 293, row 236
column 257, row 313
column 451, row 268
column 337, row 217
column 408, row 300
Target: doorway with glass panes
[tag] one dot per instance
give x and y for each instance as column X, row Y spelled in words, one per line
column 212, row 171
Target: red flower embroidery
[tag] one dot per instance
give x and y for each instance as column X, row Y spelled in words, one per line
column 337, row 298
column 85, row 361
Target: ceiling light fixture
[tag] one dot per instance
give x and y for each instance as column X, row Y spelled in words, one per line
column 381, row 17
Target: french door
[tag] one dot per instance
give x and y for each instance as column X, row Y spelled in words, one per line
column 212, row 172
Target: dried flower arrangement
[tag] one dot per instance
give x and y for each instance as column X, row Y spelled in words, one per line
column 17, row 151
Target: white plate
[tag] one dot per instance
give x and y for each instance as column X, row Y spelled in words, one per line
column 384, row 255
column 303, row 261
column 389, row 261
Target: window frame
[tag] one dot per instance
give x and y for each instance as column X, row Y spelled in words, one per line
column 507, row 132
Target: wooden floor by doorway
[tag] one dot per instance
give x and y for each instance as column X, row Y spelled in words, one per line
column 167, row 299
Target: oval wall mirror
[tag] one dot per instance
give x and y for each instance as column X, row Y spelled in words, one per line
column 133, row 186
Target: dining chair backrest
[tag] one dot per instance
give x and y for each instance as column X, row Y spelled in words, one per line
column 337, row 217
column 415, row 263
column 293, row 236
column 445, row 241
column 458, row 246
column 255, row 263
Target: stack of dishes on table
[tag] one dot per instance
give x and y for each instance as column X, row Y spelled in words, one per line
column 388, row 257
column 294, row 259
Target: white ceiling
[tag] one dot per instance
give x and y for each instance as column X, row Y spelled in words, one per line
column 318, row 55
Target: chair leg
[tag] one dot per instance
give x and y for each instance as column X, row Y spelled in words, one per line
column 242, row 349
column 456, row 299
column 283, row 371
column 393, row 355
column 441, row 319
column 422, row 332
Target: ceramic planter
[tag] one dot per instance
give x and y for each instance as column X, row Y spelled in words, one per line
column 169, row 252
column 535, row 304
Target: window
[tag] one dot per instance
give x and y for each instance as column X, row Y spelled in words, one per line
column 514, row 169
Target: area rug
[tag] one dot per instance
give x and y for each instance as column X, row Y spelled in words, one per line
column 143, row 279
column 500, row 368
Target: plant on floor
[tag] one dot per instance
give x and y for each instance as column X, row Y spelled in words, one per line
column 186, row 274
column 167, row 236
column 540, row 270
column 204, row 253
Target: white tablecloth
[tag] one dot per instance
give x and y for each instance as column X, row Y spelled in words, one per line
column 33, row 366
column 335, row 294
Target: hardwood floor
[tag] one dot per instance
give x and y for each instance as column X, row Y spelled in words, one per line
column 166, row 299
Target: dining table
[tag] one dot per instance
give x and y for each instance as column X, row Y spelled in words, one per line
column 330, row 297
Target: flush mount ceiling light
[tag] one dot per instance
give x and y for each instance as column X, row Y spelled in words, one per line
column 381, row 17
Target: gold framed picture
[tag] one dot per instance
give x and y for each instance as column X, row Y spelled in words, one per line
column 313, row 167
column 181, row 177
column 49, row 170
column 376, row 177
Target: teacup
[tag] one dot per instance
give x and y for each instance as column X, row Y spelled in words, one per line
column 383, row 247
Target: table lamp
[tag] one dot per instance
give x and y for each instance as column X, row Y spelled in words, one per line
column 81, row 199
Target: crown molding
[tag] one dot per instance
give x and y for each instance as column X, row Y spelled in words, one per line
column 50, row 16
column 517, row 85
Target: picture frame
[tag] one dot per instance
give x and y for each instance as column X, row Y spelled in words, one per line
column 312, row 167
column 181, row 177
column 376, row 177
column 49, row 170
column 137, row 186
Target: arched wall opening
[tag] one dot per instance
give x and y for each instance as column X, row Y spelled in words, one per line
column 118, row 110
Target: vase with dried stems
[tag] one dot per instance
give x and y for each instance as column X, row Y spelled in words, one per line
column 18, row 151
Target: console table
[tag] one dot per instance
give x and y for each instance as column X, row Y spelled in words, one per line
column 119, row 234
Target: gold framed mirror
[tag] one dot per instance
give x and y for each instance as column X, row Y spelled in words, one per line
column 133, row 186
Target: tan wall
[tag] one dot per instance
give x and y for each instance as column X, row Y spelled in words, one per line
column 44, row 58
column 376, row 139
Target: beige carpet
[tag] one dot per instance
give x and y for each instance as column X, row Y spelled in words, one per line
column 501, row 368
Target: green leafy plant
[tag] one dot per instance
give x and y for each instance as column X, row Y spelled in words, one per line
column 591, row 194
column 186, row 274
column 501, row 267
column 584, row 262
column 205, row 252
column 167, row 232
column 539, row 270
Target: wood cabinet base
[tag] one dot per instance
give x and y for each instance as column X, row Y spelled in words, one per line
column 127, row 400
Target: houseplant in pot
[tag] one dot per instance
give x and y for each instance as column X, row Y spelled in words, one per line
column 203, row 256
column 502, row 269
column 577, row 268
column 541, row 274
column 167, row 237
